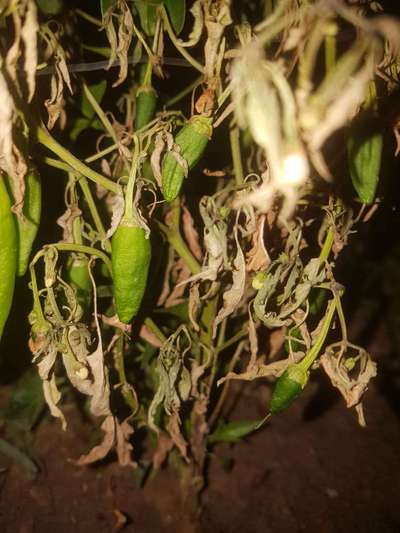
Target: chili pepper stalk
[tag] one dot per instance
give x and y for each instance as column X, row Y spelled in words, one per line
column 296, row 376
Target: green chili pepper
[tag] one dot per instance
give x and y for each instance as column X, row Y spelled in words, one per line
column 28, row 227
column 288, row 387
column 146, row 102
column 192, row 140
column 130, row 255
column 8, row 254
column 79, row 278
column 364, row 149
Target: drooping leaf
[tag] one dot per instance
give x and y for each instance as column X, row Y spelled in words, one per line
column 147, row 11
column 177, row 13
column 106, row 4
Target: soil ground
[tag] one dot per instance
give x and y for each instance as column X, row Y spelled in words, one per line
column 312, row 469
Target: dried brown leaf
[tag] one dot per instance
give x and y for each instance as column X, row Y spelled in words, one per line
column 191, row 234
column 174, row 430
column 258, row 257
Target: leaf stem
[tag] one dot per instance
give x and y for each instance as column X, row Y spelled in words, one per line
column 65, row 155
column 234, row 137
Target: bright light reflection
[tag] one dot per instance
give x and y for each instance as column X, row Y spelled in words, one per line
column 294, row 169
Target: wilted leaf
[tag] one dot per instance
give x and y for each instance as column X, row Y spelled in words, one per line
column 233, row 296
column 258, row 257
column 29, row 36
column 194, row 37
column 339, row 364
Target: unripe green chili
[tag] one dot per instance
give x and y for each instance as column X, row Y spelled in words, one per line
column 146, row 102
column 130, row 255
column 8, row 254
column 146, row 98
column 288, row 387
column 79, row 278
column 28, row 227
column 192, row 140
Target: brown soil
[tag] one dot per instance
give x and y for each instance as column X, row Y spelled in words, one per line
column 312, row 469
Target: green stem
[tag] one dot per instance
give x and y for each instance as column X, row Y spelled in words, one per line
column 102, row 153
column 175, row 239
column 88, row 197
column 155, row 329
column 129, row 209
column 330, row 51
column 234, row 137
column 69, row 247
column 89, row 18
column 195, row 64
column 233, row 340
column 99, row 112
column 65, row 155
column 188, row 89
column 93, row 211
column 316, row 348
column 126, row 390
column 327, row 247
column 37, row 306
column 221, row 400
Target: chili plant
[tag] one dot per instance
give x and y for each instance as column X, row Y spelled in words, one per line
column 197, row 218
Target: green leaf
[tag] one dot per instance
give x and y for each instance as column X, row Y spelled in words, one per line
column 364, row 150
column 106, row 4
column 97, row 90
column 50, row 7
column 103, row 51
column 79, row 125
column 26, row 401
column 147, row 11
column 233, row 431
column 177, row 12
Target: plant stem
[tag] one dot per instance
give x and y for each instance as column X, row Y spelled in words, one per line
column 316, row 348
column 234, row 137
column 93, row 211
column 175, row 239
column 326, row 249
column 88, row 17
column 195, row 64
column 155, row 329
column 237, row 337
column 69, row 247
column 119, row 363
column 129, row 209
column 221, row 400
column 65, row 155
column 100, row 113
column 178, row 97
